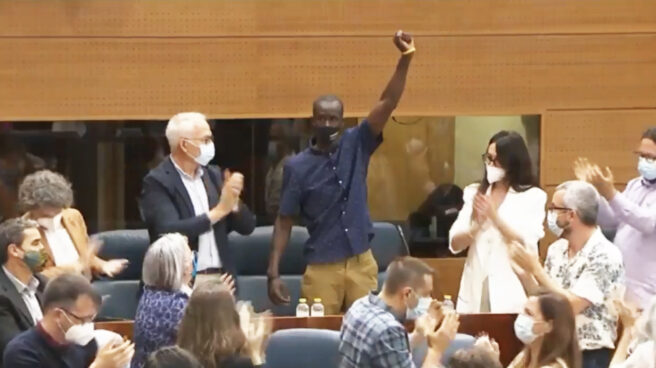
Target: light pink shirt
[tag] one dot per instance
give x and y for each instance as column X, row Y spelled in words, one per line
column 633, row 214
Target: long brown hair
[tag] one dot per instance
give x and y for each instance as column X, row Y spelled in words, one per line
column 562, row 341
column 513, row 157
column 210, row 328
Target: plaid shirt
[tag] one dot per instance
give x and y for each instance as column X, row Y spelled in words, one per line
column 372, row 336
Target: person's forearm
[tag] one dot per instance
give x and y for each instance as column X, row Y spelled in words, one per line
column 416, row 339
column 394, row 90
column 463, row 240
column 218, row 213
column 531, row 286
column 548, row 283
column 390, row 97
column 622, row 351
column 433, row 359
column 281, row 232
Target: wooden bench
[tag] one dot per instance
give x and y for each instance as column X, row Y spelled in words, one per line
column 498, row 326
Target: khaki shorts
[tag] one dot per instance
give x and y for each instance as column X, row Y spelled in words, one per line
column 339, row 284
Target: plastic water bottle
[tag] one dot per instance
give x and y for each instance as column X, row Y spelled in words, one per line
column 317, row 308
column 302, row 309
column 448, row 304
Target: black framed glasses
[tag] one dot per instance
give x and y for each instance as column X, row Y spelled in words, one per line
column 488, row 159
column 81, row 319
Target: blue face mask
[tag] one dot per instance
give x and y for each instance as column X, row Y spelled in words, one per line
column 420, row 309
column 524, row 329
column 647, row 168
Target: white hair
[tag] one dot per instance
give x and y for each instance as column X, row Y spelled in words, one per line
column 181, row 126
column 583, row 198
column 164, row 263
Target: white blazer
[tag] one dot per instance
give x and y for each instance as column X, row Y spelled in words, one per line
column 488, row 257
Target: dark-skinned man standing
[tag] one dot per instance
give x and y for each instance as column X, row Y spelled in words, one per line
column 326, row 184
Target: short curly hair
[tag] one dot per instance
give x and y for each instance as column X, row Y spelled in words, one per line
column 45, row 188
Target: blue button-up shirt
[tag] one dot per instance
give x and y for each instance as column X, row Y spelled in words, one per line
column 373, row 337
column 329, row 191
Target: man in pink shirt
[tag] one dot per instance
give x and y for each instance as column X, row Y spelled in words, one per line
column 633, row 214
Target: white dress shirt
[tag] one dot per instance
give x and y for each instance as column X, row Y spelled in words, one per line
column 488, row 256
column 28, row 294
column 208, row 253
column 61, row 245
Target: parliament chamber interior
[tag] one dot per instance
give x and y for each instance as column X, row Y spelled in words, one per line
column 89, row 90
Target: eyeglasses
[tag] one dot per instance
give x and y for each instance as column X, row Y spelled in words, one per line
column 81, row 319
column 203, row 140
column 649, row 157
column 488, row 159
column 553, row 207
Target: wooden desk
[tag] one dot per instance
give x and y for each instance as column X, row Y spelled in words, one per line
column 498, row 326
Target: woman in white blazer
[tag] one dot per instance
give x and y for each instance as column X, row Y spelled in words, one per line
column 506, row 205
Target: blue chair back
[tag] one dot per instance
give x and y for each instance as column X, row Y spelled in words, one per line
column 302, row 348
column 120, row 299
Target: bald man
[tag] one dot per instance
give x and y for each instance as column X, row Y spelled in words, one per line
column 326, row 185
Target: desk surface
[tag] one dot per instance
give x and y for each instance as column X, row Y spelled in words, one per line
column 498, row 326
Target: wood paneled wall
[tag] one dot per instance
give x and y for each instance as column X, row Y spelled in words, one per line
column 79, row 59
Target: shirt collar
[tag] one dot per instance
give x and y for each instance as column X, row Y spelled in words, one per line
column 587, row 247
column 376, row 301
column 31, row 286
column 313, row 149
column 648, row 183
column 49, row 339
column 199, row 171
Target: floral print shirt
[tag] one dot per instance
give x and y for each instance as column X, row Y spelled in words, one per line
column 594, row 273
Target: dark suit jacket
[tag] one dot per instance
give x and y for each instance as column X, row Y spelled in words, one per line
column 14, row 315
column 166, row 208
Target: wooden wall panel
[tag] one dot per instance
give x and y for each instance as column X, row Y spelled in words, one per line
column 95, row 78
column 178, row 18
column 606, row 137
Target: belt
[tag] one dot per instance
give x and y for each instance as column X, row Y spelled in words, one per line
column 211, row 271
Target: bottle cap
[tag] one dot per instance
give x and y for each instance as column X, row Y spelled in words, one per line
column 302, row 300
column 317, row 300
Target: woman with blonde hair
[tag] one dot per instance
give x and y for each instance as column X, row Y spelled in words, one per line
column 217, row 334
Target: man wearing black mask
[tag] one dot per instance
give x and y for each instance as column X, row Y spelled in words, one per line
column 22, row 256
column 326, row 185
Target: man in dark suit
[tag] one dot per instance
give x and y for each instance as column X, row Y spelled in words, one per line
column 22, row 255
column 185, row 195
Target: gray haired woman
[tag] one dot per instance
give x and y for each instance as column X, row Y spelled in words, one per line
column 47, row 197
column 167, row 272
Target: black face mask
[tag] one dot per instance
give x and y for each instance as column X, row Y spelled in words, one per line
column 326, row 134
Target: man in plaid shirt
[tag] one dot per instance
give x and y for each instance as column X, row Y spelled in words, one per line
column 373, row 334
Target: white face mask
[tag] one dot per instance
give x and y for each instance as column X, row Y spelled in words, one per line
column 524, row 329
column 552, row 223
column 206, row 153
column 647, row 169
column 494, row 174
column 80, row 334
column 50, row 223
